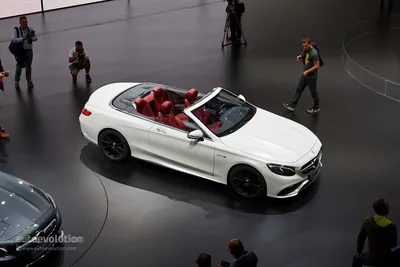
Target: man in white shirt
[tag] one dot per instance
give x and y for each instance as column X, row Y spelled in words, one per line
column 79, row 60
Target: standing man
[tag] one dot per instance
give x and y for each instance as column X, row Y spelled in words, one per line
column 382, row 238
column 308, row 78
column 26, row 36
column 241, row 257
column 79, row 60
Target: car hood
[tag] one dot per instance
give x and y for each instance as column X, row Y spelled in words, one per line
column 272, row 137
column 21, row 206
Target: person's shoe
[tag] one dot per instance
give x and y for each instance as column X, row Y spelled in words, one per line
column 88, row 78
column 30, row 84
column 17, row 85
column 74, row 79
column 313, row 110
column 289, row 106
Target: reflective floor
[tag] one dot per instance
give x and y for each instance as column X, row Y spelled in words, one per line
column 139, row 214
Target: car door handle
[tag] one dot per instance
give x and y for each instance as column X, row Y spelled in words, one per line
column 160, row 130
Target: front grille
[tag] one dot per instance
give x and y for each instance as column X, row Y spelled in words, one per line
column 311, row 165
column 43, row 232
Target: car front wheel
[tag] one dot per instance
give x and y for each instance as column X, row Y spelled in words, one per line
column 114, row 145
column 247, row 182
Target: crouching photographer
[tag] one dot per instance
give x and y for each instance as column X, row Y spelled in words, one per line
column 235, row 10
column 79, row 60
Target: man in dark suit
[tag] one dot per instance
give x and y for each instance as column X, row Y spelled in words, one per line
column 242, row 258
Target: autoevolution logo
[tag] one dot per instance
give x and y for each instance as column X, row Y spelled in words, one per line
column 51, row 239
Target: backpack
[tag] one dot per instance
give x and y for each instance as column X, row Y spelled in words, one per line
column 321, row 62
column 13, row 47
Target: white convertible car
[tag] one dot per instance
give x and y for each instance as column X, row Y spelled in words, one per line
column 218, row 136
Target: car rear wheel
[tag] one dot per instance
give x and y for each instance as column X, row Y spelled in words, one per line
column 114, row 146
column 247, row 182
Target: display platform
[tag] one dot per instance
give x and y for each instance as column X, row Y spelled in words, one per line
column 136, row 213
column 371, row 54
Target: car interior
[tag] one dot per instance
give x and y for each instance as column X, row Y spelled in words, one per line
column 167, row 107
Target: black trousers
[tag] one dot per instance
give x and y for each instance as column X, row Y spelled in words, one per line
column 312, row 85
column 1, row 67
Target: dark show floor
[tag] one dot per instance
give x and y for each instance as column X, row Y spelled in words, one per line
column 378, row 52
column 138, row 214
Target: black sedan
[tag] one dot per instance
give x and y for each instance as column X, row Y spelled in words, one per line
column 30, row 222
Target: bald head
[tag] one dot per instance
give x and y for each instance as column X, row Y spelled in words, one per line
column 236, row 248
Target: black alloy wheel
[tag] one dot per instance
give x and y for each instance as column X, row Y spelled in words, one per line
column 114, row 145
column 247, row 182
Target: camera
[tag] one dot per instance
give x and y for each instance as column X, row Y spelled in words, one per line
column 81, row 55
column 30, row 35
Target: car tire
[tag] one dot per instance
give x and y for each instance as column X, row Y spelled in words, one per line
column 113, row 145
column 247, row 182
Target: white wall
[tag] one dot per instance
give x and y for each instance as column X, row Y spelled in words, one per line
column 11, row 8
column 54, row 4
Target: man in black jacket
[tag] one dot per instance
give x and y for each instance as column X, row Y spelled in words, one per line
column 242, row 258
column 382, row 238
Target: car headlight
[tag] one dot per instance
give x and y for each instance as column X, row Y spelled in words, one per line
column 281, row 169
column 3, row 252
column 52, row 201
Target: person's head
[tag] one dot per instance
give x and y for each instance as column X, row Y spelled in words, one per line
column 78, row 45
column 381, row 207
column 306, row 42
column 204, row 260
column 23, row 22
column 236, row 248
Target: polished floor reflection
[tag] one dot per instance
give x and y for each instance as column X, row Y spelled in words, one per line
column 138, row 214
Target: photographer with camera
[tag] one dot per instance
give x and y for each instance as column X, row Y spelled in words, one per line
column 22, row 48
column 235, row 10
column 79, row 60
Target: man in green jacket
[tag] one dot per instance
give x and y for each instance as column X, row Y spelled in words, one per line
column 382, row 238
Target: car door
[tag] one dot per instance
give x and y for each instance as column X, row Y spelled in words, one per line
column 172, row 145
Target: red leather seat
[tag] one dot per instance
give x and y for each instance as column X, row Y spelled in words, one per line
column 143, row 107
column 191, row 97
column 159, row 97
column 166, row 116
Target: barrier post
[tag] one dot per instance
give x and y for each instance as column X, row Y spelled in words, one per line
column 41, row 3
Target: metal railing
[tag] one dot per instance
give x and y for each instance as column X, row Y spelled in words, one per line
column 365, row 77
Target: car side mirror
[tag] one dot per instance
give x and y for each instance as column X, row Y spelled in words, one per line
column 242, row 97
column 196, row 135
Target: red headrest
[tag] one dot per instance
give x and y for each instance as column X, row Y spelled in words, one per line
column 191, row 95
column 140, row 103
column 158, row 92
column 166, row 107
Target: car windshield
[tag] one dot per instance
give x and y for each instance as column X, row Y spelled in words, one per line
column 225, row 113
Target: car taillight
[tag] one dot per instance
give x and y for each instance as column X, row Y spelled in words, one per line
column 86, row 112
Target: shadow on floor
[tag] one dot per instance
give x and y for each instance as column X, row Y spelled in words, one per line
column 183, row 187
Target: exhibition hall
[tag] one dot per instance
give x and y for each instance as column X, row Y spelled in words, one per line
column 199, row 133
